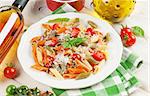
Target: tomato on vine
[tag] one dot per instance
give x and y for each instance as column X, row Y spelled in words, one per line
column 127, row 36
column 10, row 72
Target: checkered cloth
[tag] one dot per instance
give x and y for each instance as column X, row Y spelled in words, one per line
column 121, row 82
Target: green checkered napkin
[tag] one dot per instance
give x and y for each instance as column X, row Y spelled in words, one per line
column 121, row 82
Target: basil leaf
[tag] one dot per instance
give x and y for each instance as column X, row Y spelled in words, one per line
column 66, row 45
column 74, row 42
column 59, row 20
column 138, row 31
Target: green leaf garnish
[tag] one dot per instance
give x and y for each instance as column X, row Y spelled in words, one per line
column 10, row 64
column 138, row 31
column 74, row 42
column 66, row 45
column 59, row 20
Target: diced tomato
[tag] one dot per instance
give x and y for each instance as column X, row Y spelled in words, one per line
column 50, row 59
column 98, row 56
column 75, row 32
column 90, row 31
column 55, row 26
column 54, row 41
column 76, row 56
column 47, row 65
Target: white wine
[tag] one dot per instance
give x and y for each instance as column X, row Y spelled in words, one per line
column 11, row 25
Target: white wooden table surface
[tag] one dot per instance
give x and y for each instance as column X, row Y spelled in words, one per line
column 138, row 17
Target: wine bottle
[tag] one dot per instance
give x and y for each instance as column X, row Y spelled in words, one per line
column 11, row 25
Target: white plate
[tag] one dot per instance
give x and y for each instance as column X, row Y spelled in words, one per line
column 26, row 60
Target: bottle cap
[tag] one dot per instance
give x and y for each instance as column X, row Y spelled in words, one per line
column 20, row 4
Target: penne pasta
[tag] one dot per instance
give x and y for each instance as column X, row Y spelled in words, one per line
column 81, row 64
column 35, row 54
column 39, row 56
column 87, row 64
column 44, row 54
column 41, row 43
column 56, row 73
column 83, row 75
column 76, row 70
column 41, row 68
column 97, row 69
column 71, row 76
column 35, row 38
column 46, row 26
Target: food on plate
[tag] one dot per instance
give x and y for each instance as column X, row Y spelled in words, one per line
column 69, row 48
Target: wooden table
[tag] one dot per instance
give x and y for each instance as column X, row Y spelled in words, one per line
column 34, row 11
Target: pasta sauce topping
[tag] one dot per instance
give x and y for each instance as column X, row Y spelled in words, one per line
column 68, row 49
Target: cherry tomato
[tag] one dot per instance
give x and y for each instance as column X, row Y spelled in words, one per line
column 76, row 56
column 54, row 41
column 75, row 32
column 127, row 37
column 10, row 72
column 55, row 26
column 98, row 56
column 90, row 31
column 11, row 89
